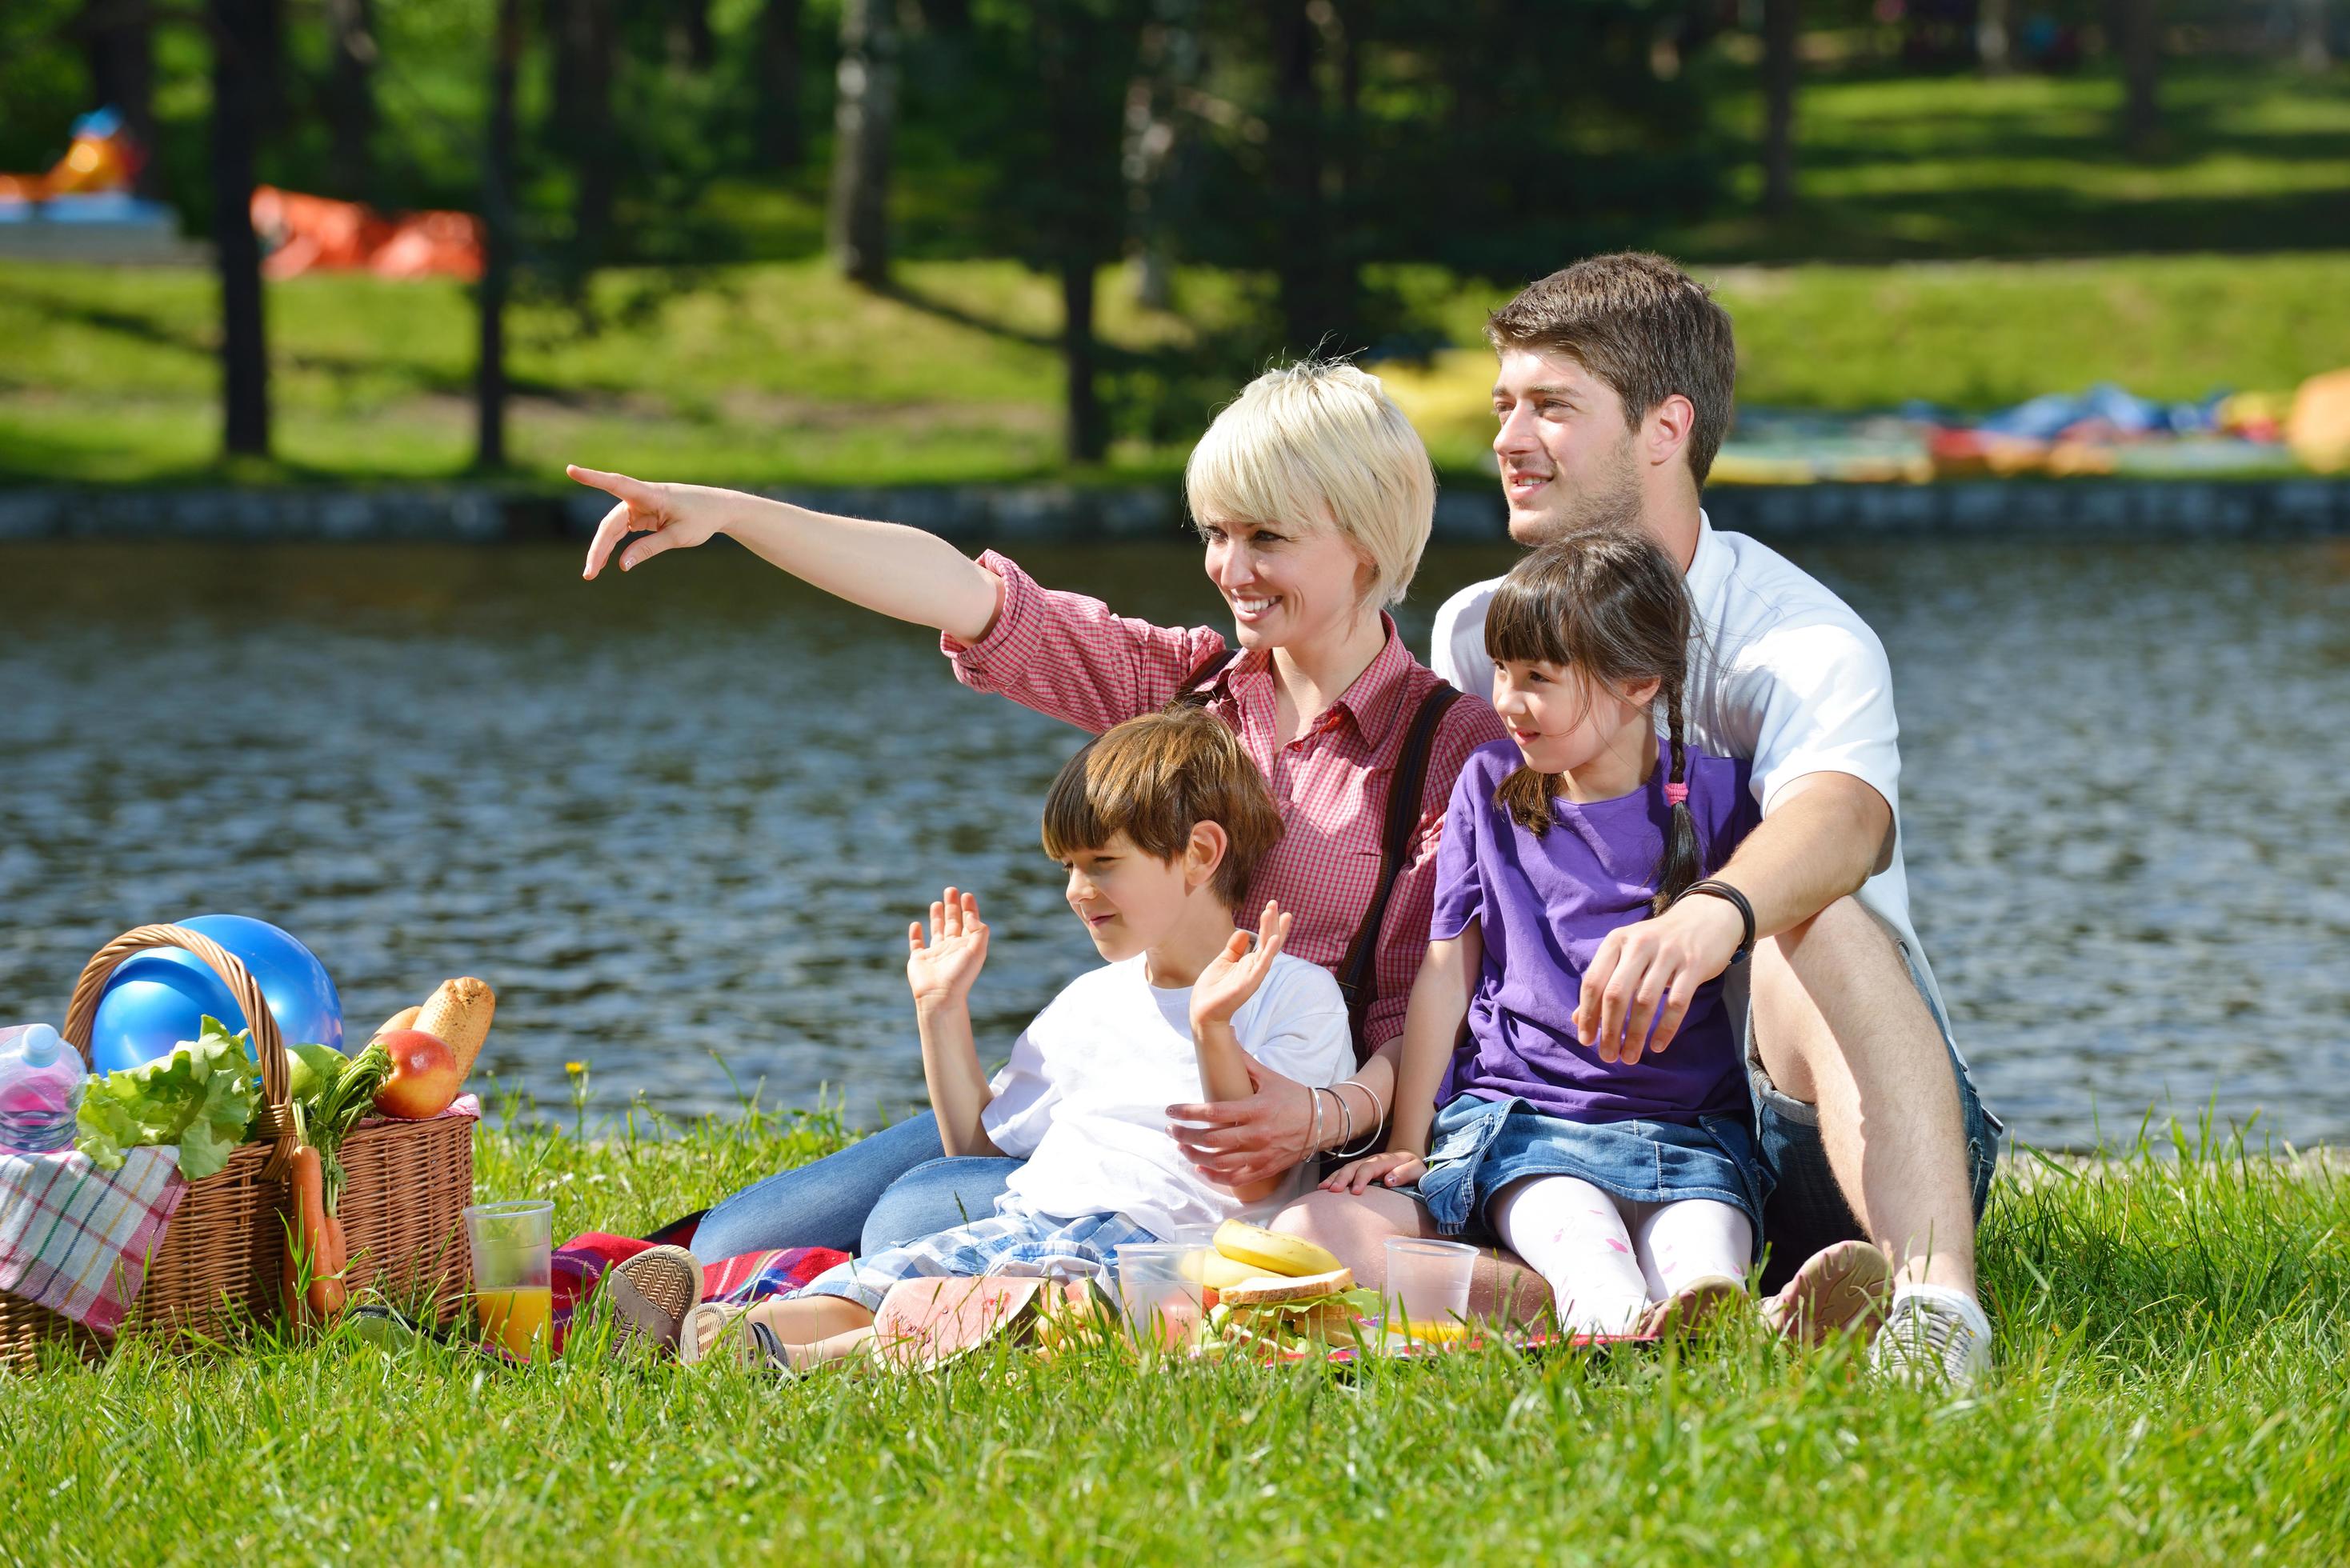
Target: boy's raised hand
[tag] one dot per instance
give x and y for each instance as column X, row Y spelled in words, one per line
column 677, row 516
column 1232, row 977
column 941, row 970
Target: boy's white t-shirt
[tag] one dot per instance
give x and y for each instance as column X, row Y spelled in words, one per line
column 1085, row 1095
column 1781, row 672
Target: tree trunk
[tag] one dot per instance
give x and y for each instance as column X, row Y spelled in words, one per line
column 497, row 241
column 350, row 95
column 1993, row 46
column 2141, row 48
column 587, row 41
column 118, row 44
column 2312, row 50
column 690, row 39
column 1782, row 28
column 1314, row 284
column 857, row 219
column 1088, row 430
column 241, row 69
column 1169, row 65
column 777, row 68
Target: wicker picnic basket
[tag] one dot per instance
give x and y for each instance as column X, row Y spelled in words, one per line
column 402, row 1208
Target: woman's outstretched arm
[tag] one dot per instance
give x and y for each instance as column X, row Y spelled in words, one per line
column 897, row 571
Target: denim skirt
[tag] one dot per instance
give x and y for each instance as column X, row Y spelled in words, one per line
column 1479, row 1147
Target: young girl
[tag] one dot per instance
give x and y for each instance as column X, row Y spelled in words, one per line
column 1624, row 1171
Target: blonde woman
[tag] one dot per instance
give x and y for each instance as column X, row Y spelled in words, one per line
column 1313, row 497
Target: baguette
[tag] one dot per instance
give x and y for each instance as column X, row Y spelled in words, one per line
column 458, row 1013
column 403, row 1019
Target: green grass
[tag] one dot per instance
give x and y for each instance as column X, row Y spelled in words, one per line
column 2170, row 1390
column 1935, row 168
column 780, row 373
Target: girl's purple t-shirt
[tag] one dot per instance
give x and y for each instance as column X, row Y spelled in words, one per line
column 1544, row 906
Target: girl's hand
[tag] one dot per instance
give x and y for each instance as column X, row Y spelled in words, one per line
column 1393, row 1168
column 1236, row 972
column 941, row 970
column 677, row 516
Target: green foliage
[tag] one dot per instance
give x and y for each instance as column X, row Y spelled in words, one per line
column 202, row 1097
column 2171, row 1325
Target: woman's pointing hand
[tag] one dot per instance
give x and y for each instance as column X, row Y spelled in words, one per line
column 674, row 517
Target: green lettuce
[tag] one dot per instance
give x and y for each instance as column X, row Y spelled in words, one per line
column 202, row 1097
column 311, row 1071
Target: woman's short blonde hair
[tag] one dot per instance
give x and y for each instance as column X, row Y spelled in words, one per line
column 1320, row 442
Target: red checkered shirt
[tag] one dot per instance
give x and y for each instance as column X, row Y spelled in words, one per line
column 1067, row 655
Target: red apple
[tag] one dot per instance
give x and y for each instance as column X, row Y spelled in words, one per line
column 424, row 1076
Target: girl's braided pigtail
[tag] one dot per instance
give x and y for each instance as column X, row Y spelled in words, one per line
column 1683, row 861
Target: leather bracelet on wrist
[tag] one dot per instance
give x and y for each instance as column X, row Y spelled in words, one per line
column 1728, row 895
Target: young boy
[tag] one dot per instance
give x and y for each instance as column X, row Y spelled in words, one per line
column 1160, row 825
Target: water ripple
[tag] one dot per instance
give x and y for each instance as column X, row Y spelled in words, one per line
column 680, row 820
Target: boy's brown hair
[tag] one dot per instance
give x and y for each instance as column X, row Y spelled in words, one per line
column 1642, row 326
column 1156, row 778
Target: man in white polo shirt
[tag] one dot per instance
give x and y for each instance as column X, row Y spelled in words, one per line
column 1613, row 395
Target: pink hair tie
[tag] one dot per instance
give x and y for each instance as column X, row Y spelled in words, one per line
column 1676, row 794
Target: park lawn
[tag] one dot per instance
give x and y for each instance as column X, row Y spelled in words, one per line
column 2171, row 1390
column 1901, row 166
column 780, row 373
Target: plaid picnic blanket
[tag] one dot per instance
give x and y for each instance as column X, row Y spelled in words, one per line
column 75, row 1238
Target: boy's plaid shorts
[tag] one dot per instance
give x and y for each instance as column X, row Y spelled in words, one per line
column 1031, row 1244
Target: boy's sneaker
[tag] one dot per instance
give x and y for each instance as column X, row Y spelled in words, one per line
column 1933, row 1335
column 1839, row 1289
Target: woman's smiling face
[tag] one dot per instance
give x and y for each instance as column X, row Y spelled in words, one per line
column 1285, row 583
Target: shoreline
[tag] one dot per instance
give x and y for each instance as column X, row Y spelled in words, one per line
column 2069, row 511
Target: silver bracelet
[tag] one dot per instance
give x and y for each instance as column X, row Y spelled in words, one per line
column 1378, row 1118
column 1346, row 1110
column 1313, row 1139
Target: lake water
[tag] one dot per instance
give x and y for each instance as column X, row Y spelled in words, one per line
column 679, row 819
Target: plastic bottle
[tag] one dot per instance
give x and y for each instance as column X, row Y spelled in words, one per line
column 40, row 1089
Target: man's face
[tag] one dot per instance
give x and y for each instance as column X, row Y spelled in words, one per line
column 1566, row 449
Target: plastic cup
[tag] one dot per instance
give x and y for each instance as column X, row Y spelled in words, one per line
column 513, row 1285
column 1161, row 1299
column 1428, row 1289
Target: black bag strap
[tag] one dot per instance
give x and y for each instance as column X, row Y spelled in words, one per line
column 1193, row 692
column 1359, row 972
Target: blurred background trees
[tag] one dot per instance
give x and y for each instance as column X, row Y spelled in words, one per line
column 1293, row 171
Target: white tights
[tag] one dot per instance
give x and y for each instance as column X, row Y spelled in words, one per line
column 1608, row 1260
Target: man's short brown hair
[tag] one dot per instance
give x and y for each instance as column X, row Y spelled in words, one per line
column 1156, row 778
column 1641, row 324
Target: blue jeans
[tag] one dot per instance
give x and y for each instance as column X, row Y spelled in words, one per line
column 884, row 1191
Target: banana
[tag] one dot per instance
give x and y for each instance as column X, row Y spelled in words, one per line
column 1215, row 1270
column 1264, row 1252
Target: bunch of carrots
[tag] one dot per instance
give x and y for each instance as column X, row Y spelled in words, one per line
column 312, row 1283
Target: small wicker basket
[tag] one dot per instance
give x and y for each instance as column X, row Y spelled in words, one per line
column 402, row 1206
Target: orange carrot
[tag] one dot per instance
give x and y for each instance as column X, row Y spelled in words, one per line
column 309, row 1244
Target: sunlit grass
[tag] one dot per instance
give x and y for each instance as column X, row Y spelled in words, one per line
column 781, row 374
column 2172, row 1329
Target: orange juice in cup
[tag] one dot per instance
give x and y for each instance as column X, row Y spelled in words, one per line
column 513, row 1295
column 518, row 1318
